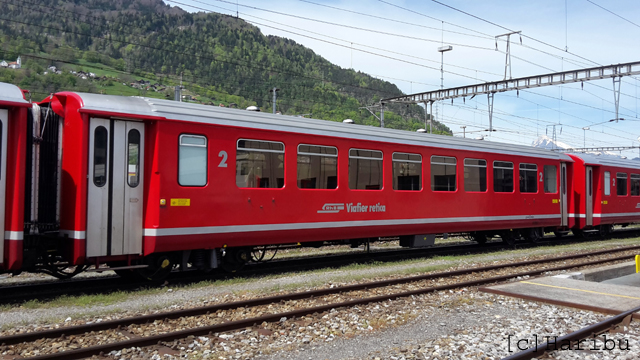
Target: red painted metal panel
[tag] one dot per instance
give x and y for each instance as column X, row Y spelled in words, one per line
column 15, row 181
column 222, row 203
column 75, row 140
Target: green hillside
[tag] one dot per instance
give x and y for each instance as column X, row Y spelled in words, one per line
column 219, row 59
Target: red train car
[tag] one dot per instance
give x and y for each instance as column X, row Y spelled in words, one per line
column 14, row 111
column 607, row 193
column 151, row 183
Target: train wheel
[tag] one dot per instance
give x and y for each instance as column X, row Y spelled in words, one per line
column 606, row 230
column 509, row 237
column 479, row 237
column 534, row 235
column 127, row 274
column 235, row 259
column 160, row 266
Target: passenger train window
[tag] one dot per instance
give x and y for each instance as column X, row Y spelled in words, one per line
column 133, row 156
column 365, row 169
column 475, row 175
column 635, row 185
column 621, row 184
column 550, row 179
column 607, row 183
column 317, row 167
column 100, row 156
column 443, row 173
column 528, row 178
column 502, row 176
column 192, row 160
column 407, row 171
column 259, row 164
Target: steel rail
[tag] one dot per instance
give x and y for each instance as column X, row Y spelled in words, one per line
column 240, row 324
column 567, row 341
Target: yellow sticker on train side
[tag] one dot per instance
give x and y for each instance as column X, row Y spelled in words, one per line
column 180, row 202
column 555, row 201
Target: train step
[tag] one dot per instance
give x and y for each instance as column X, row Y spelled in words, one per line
column 101, row 269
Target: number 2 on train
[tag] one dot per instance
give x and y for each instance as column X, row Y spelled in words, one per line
column 223, row 155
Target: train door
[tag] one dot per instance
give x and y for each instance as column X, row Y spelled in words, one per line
column 114, row 211
column 4, row 119
column 563, row 195
column 588, row 195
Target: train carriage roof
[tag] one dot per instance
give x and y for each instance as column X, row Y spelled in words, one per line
column 607, row 160
column 206, row 114
column 12, row 95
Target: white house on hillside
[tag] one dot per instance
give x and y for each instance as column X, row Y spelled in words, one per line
column 16, row 64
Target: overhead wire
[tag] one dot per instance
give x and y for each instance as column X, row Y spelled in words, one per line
column 611, row 12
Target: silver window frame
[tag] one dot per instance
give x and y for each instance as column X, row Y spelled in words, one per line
column 205, row 146
column 474, row 165
column 405, row 160
column 260, row 150
column 502, row 167
column 317, row 154
column 443, row 163
column 365, row 157
column 525, row 169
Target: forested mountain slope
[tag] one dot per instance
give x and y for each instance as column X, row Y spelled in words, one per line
column 219, row 58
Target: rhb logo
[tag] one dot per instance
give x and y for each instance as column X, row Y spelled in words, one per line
column 331, row 208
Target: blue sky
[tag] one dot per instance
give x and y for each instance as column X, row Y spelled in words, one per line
column 406, row 55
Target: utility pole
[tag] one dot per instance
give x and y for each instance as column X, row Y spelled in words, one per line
column 177, row 95
column 464, row 131
column 380, row 118
column 554, row 134
column 274, row 90
column 442, row 50
column 507, row 61
column 584, row 141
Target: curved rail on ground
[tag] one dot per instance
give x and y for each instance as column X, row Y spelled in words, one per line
column 570, row 340
column 234, row 325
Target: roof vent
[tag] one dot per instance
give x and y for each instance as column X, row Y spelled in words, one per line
column 347, row 121
column 421, row 131
column 253, row 108
column 480, row 137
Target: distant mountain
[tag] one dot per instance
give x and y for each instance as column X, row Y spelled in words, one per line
column 220, row 59
column 546, row 142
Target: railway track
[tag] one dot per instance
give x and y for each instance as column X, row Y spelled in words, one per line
column 46, row 290
column 165, row 328
column 572, row 340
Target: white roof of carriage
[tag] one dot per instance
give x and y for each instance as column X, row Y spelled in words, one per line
column 12, row 94
column 608, row 160
column 207, row 114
